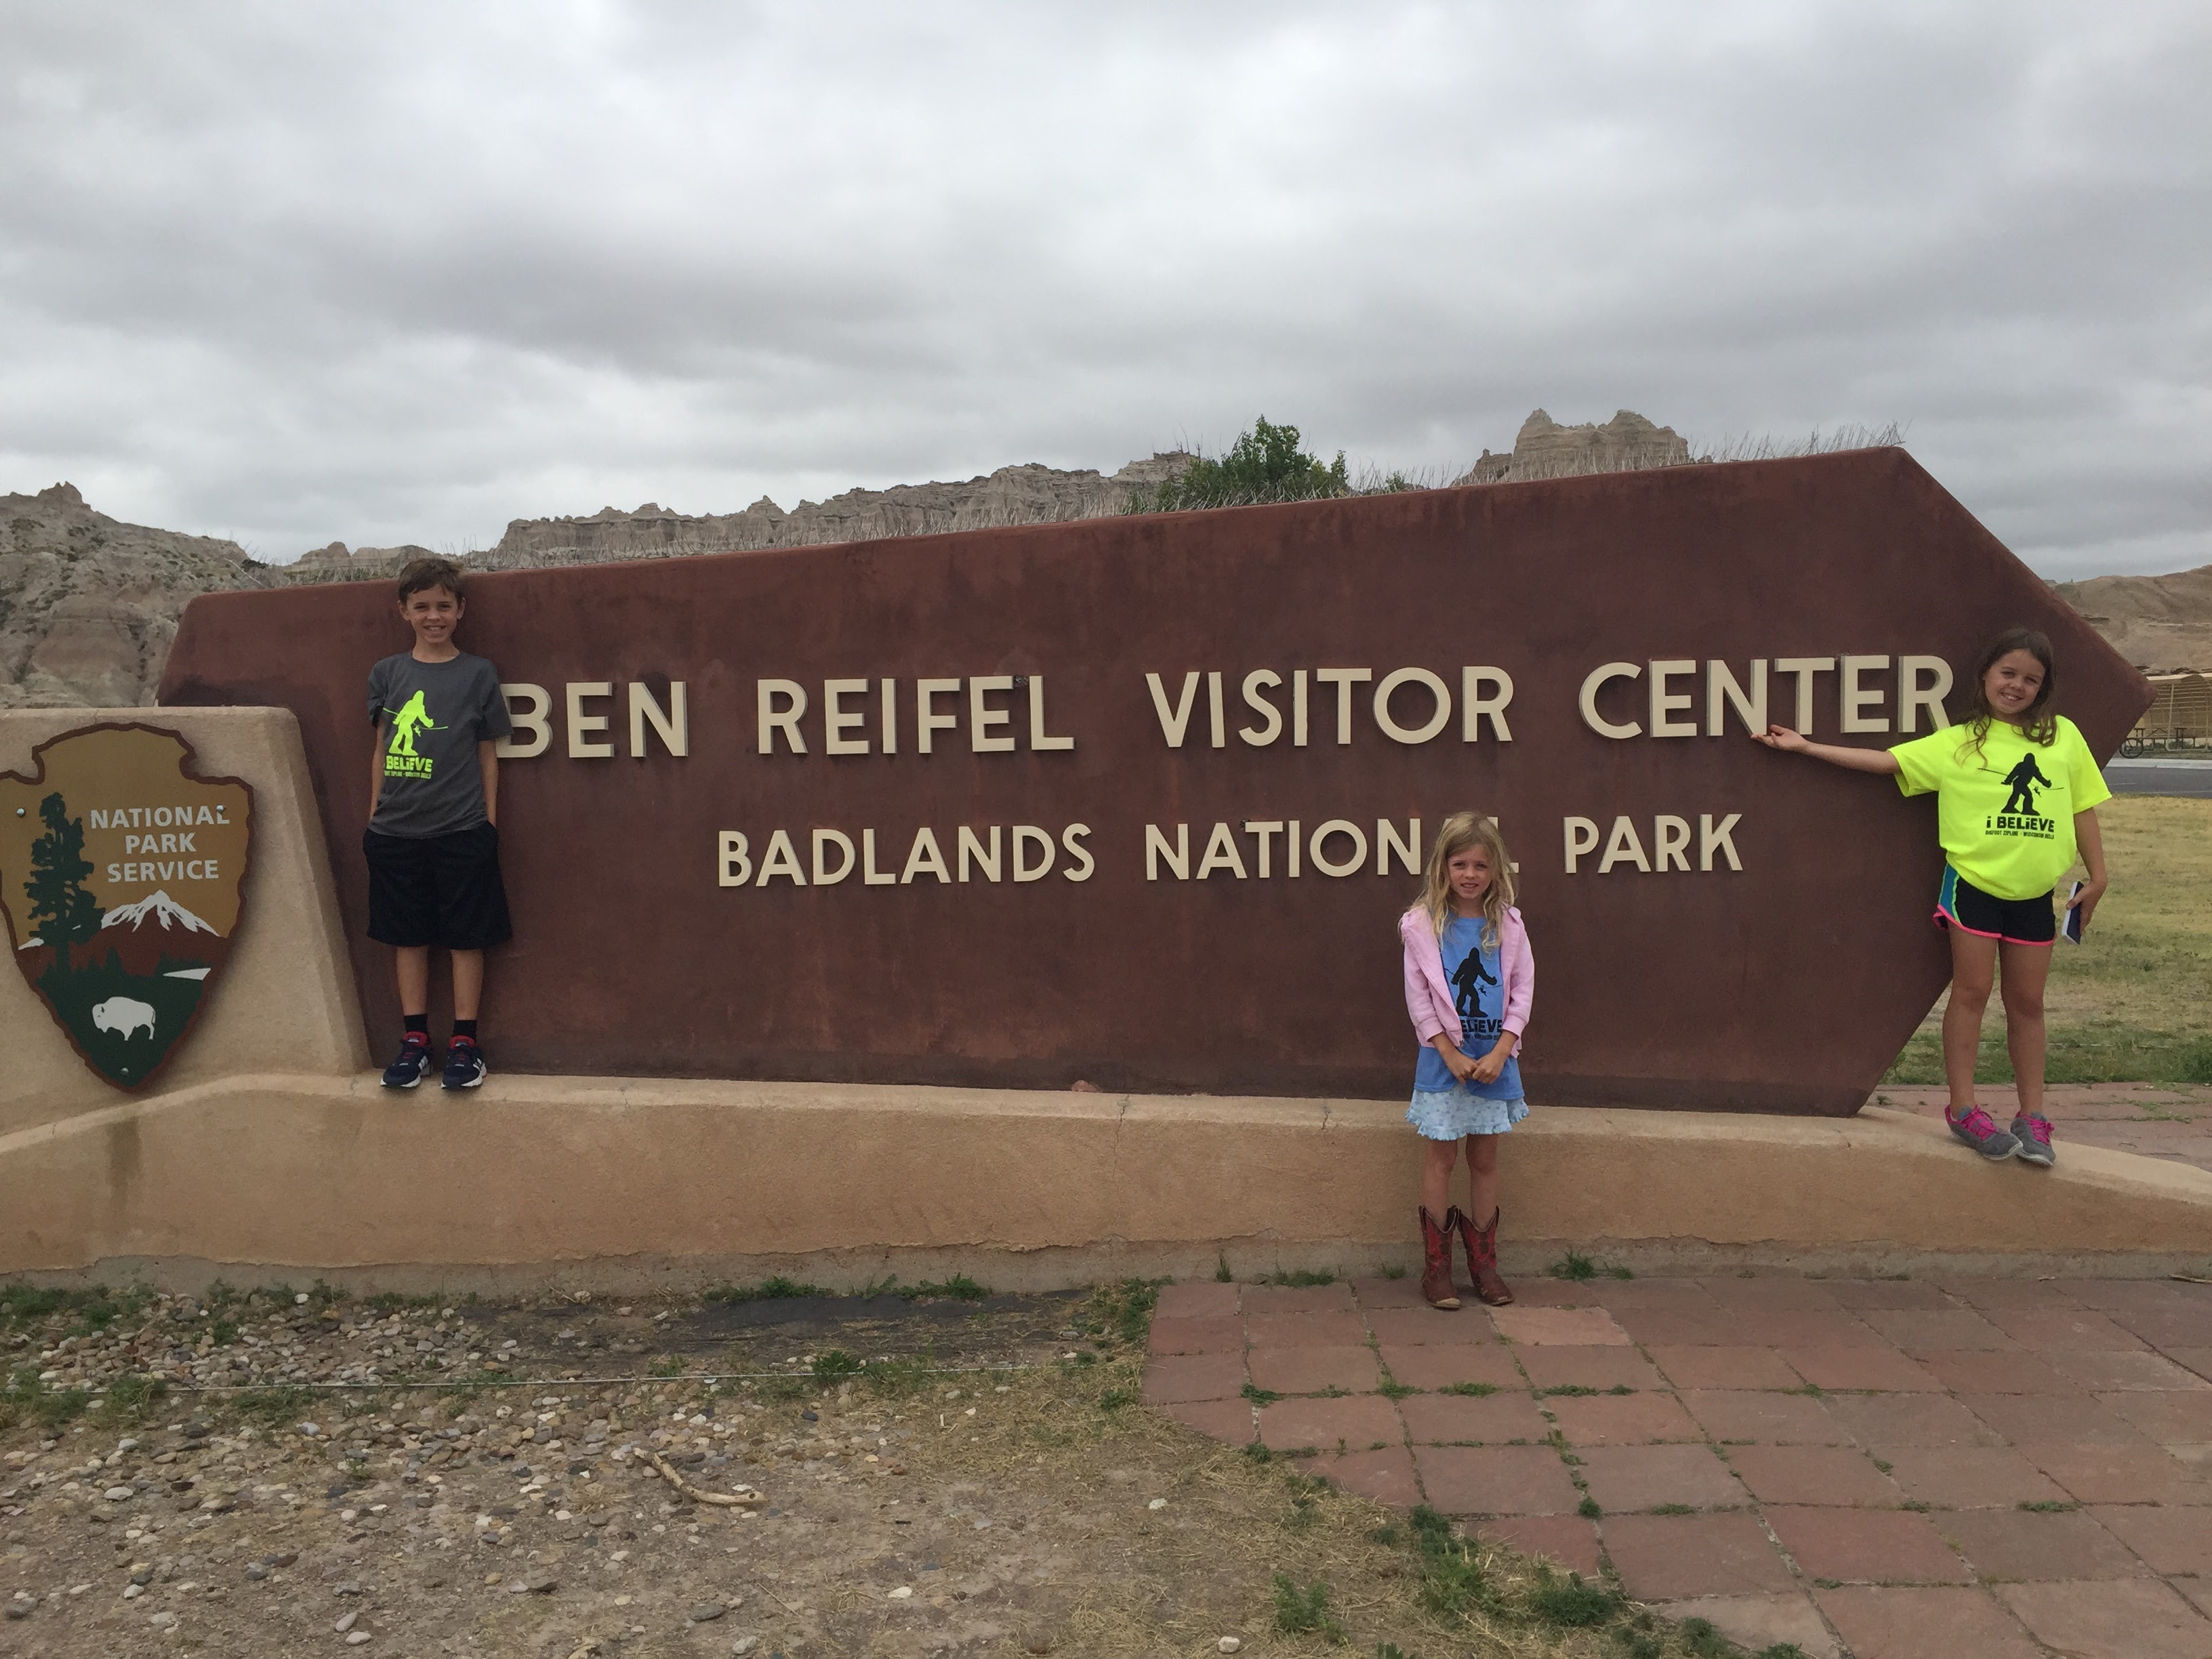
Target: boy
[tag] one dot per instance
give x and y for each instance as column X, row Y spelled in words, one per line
column 432, row 846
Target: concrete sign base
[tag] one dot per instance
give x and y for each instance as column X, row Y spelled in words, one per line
column 607, row 1184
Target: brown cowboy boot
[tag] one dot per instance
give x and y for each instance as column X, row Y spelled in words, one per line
column 1482, row 1258
column 1436, row 1259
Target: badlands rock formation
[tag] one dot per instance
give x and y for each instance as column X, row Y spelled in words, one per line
column 1544, row 449
column 88, row 605
column 335, row 563
column 1013, row 494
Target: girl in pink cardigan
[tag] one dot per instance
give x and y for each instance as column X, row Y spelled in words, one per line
column 1469, row 979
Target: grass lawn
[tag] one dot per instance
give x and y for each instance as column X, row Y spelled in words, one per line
column 2134, row 1002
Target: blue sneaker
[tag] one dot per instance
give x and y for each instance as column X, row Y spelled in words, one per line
column 1979, row 1130
column 465, row 1064
column 413, row 1064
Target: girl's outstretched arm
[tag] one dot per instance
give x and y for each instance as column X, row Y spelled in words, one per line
column 2089, row 836
column 1879, row 761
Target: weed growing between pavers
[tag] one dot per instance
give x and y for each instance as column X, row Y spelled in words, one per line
column 1579, row 1268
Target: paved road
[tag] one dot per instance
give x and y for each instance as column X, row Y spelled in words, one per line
column 2154, row 776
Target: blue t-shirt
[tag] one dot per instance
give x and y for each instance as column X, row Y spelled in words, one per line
column 1471, row 970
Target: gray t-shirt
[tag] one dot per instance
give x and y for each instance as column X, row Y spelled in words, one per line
column 437, row 712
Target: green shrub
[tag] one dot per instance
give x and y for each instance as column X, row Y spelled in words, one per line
column 1264, row 464
column 1298, row 1611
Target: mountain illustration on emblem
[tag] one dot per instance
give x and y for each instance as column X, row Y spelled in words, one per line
column 121, row 879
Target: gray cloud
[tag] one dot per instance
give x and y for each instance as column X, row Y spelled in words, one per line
column 404, row 272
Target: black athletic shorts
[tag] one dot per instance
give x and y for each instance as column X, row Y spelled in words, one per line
column 1962, row 905
column 436, row 890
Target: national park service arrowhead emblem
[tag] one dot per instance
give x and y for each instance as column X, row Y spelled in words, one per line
column 120, row 876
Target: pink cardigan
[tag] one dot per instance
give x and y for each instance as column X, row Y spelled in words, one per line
column 1429, row 999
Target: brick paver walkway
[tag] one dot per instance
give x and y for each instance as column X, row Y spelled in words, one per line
column 1882, row 1468
column 2158, row 1119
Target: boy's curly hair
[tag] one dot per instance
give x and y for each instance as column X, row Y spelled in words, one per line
column 421, row 573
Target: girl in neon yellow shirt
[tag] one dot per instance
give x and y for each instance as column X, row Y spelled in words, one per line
column 2016, row 794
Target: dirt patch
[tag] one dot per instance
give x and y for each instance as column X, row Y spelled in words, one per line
column 946, row 1475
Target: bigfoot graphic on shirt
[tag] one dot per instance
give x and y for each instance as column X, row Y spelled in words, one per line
column 2024, row 780
column 401, row 760
column 2018, row 815
column 1468, row 980
column 1476, row 967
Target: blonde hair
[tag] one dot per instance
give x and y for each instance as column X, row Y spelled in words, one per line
column 1454, row 837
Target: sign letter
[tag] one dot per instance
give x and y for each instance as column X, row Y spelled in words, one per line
column 1595, row 682
column 835, row 722
column 736, row 868
column 1582, row 839
column 1857, row 696
column 1438, row 718
column 1174, row 726
column 581, row 747
column 785, row 718
column 1260, row 736
column 530, row 718
column 1710, row 838
column 1665, row 703
column 673, row 723
column 1912, row 697
column 1750, row 708
column 1344, row 679
column 1038, row 739
column 1803, row 669
column 1474, row 705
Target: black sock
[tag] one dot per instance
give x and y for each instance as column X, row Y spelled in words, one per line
column 465, row 1027
column 419, row 1025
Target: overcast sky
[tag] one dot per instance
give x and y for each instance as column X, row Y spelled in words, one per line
column 382, row 273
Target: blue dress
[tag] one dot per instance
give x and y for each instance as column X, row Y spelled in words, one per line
column 1443, row 1108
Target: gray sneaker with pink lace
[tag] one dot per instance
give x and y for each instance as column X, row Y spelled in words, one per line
column 2031, row 1130
column 1979, row 1130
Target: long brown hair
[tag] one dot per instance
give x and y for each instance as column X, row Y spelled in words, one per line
column 1454, row 837
column 2036, row 723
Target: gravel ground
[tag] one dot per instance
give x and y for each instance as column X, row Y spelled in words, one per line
column 949, row 1474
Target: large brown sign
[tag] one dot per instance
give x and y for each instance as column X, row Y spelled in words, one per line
column 120, row 879
column 1136, row 800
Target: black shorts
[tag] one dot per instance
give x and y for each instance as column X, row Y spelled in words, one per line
column 1962, row 905
column 436, row 890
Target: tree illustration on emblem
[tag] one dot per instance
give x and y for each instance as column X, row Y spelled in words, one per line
column 62, row 911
